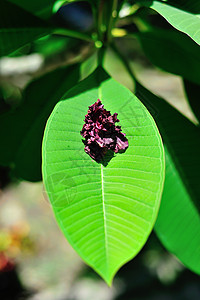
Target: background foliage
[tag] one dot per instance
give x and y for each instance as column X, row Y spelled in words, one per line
column 74, row 38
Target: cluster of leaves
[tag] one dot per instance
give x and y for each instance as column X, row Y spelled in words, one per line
column 108, row 211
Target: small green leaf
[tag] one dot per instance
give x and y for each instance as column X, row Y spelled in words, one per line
column 52, row 45
column 21, row 130
column 184, row 21
column 106, row 213
column 18, row 27
column 178, row 223
column 172, row 51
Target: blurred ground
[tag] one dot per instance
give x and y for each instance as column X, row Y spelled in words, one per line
column 51, row 270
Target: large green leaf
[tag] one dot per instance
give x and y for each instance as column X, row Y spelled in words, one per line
column 173, row 52
column 184, row 21
column 105, row 212
column 21, row 130
column 18, row 27
column 178, row 223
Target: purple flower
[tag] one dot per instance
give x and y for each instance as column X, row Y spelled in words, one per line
column 101, row 134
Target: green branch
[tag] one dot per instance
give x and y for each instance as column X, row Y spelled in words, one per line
column 112, row 19
column 100, row 20
column 101, row 55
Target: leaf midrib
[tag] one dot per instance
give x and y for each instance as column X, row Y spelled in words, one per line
column 104, row 218
column 103, row 202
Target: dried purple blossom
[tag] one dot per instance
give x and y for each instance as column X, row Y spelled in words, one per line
column 101, row 134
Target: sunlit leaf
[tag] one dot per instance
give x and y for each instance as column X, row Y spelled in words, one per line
column 184, row 21
column 106, row 211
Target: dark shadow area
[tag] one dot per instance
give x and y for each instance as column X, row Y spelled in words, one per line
column 17, row 125
column 144, row 286
column 192, row 92
column 188, row 6
column 182, row 138
column 5, row 177
column 75, row 16
column 11, row 287
column 91, row 82
column 107, row 158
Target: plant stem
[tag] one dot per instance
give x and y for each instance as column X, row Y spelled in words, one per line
column 101, row 54
column 112, row 20
column 100, row 20
column 95, row 14
column 73, row 34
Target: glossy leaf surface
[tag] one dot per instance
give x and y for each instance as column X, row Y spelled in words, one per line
column 105, row 212
column 184, row 21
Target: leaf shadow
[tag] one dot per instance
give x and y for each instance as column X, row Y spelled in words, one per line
column 107, row 158
column 182, row 139
column 110, row 155
column 91, row 82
